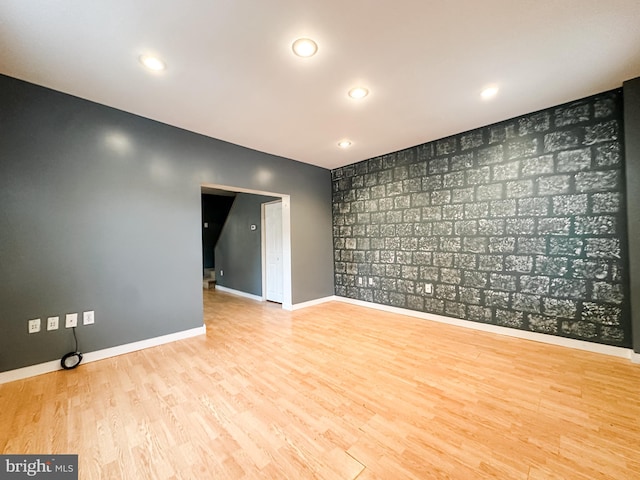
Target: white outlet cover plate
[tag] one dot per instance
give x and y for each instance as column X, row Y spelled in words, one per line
column 71, row 320
column 34, row 325
column 88, row 318
column 52, row 323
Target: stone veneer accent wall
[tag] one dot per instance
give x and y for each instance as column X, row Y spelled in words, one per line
column 519, row 224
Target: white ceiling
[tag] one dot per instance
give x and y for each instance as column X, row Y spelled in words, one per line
column 231, row 73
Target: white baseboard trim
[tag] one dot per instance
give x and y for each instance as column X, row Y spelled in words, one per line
column 510, row 332
column 239, row 293
column 52, row 366
column 311, row 303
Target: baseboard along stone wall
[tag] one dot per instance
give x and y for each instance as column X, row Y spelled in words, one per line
column 519, row 224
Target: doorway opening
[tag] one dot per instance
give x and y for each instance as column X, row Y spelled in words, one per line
column 253, row 253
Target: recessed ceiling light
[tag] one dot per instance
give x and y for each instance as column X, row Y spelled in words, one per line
column 489, row 92
column 344, row 143
column 152, row 63
column 305, row 47
column 358, row 92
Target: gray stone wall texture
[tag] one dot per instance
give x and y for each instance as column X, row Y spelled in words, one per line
column 519, row 224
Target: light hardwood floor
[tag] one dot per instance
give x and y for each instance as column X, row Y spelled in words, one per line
column 334, row 392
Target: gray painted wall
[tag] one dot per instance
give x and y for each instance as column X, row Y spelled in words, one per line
column 632, row 152
column 100, row 209
column 239, row 249
column 519, row 224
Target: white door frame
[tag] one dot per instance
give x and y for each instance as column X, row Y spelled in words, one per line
column 286, row 239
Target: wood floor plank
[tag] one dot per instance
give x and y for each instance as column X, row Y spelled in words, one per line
column 334, row 391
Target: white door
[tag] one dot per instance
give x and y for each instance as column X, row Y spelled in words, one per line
column 273, row 251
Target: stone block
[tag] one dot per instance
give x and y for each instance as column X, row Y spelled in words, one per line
column 537, row 166
column 450, row 275
column 590, row 269
column 496, row 299
column 394, row 188
column 571, row 247
column 432, row 213
column 508, row 318
column 409, row 244
column 554, row 185
column 491, row 263
column 475, row 244
column 605, row 202
column 551, row 266
column 598, row 181
column 542, row 324
column 385, row 176
column 535, row 123
column 389, row 217
column 554, row 226
column 453, row 212
column 408, row 229
column 602, row 248
column 503, row 282
column 378, row 192
column 572, row 114
column 526, row 147
column 412, row 185
column 507, row 171
column 455, row 309
column 442, row 228
column 462, row 195
column 555, row 307
column 440, row 197
column 418, row 169
column 476, row 210
column 422, row 229
column 608, row 155
column 470, row 296
column 381, row 296
column 608, row 292
column 518, row 263
column 601, row 132
column 561, row 140
column 490, row 155
column 612, row 334
column 470, row 140
column 432, row 305
column 430, row 274
column 489, row 192
column 438, row 165
column 442, row 259
column 491, row 227
column 431, row 182
column 601, row 313
column 479, row 314
column 478, row 176
column 466, row 227
column 531, row 246
column 534, row 284
column 568, row 288
column 597, row 225
column 446, row 292
column 462, row 162
column 574, row 160
column 533, row 207
column 502, row 244
column 465, row 260
column 502, row 132
column 502, row 208
column 520, row 188
column 474, row 279
column 397, row 299
column 579, row 329
column 411, row 215
column 450, row 244
column 520, row 226
column 605, row 106
column 525, row 303
column 415, row 302
column 453, row 180
column 406, row 286
column 570, row 204
column 400, row 173
column 445, row 146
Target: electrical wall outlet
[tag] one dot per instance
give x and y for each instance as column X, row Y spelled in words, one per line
column 52, row 323
column 71, row 320
column 359, row 280
column 34, row 325
column 88, row 318
column 370, row 281
column 221, row 273
column 428, row 288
